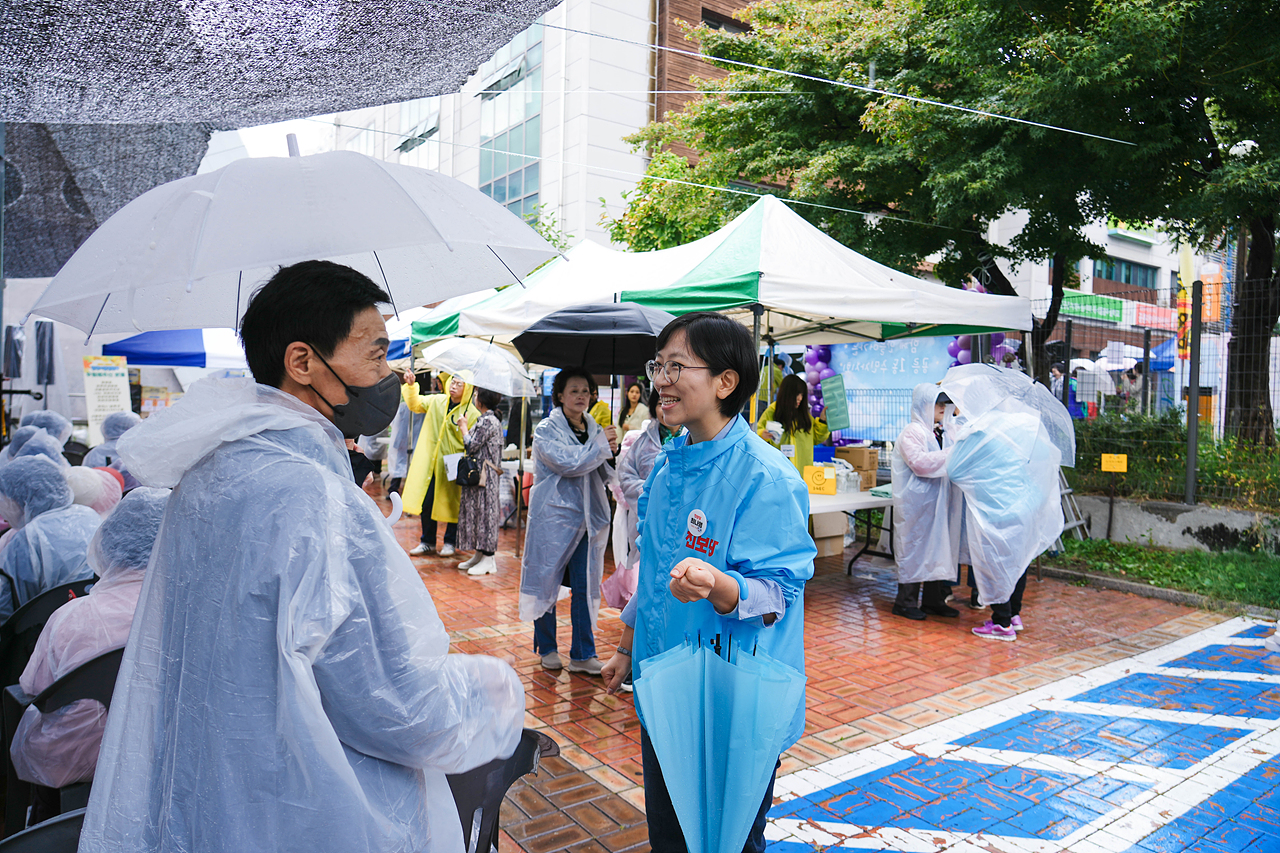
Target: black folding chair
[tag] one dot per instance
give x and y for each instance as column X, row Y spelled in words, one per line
column 20, row 631
column 60, row 834
column 478, row 793
column 93, row 679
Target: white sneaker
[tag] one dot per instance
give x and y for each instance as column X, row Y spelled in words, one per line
column 422, row 550
column 448, row 550
column 487, row 566
column 470, row 561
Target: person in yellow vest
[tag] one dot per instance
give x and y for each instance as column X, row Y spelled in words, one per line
column 428, row 491
column 599, row 411
column 794, row 430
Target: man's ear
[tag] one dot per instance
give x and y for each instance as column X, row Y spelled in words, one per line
column 298, row 363
column 726, row 382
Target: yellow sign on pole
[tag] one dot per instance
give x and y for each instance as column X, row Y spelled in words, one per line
column 1116, row 463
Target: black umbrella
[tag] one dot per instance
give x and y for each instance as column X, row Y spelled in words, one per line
column 612, row 337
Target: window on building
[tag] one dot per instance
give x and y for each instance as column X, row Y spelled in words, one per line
column 717, row 21
column 511, row 123
column 1126, row 272
column 419, row 126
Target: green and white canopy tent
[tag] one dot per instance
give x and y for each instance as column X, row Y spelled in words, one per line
column 768, row 263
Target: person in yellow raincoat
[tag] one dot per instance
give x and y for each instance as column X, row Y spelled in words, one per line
column 799, row 430
column 428, row 490
column 599, row 411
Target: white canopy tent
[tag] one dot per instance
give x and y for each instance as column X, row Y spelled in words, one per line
column 806, row 287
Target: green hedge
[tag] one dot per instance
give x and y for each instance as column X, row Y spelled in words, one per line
column 1228, row 472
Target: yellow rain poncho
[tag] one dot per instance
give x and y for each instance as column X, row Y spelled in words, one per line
column 800, row 444
column 438, row 437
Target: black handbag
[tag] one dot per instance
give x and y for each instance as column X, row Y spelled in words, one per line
column 470, row 472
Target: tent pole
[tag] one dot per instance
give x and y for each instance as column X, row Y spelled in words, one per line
column 757, row 310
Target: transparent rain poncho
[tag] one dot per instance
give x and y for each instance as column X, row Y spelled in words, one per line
column 20, row 437
column 51, row 534
column 287, row 684
column 568, row 500
column 61, row 748
column 979, row 388
column 42, row 444
column 106, row 455
column 926, row 518
column 51, row 422
column 1007, row 468
column 95, row 488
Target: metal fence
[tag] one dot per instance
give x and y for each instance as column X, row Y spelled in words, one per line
column 1138, row 360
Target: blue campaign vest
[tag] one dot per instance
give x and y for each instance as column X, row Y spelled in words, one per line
column 740, row 505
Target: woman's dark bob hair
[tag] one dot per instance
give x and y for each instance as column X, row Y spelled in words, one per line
column 562, row 380
column 491, row 400
column 724, row 345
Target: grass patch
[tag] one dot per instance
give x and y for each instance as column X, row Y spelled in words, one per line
column 1228, row 576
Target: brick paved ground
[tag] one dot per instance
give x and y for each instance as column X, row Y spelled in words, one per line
column 872, row 676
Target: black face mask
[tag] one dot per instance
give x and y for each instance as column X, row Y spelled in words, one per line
column 369, row 409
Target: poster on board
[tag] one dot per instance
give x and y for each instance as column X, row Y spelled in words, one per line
column 106, row 390
column 878, row 378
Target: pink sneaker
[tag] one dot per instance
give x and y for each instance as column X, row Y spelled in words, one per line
column 992, row 631
column 1016, row 623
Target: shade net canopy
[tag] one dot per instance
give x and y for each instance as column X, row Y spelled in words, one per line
column 238, row 63
column 104, row 101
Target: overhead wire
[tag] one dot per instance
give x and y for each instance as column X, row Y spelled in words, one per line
column 644, row 176
column 794, row 74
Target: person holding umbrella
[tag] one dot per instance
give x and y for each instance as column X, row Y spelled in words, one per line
column 724, row 553
column 568, row 522
column 428, row 490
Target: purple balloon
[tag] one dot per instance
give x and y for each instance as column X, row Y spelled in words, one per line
column 999, row 352
column 954, row 363
column 826, row 373
column 811, row 376
column 953, row 348
column 964, row 356
column 965, row 341
column 997, row 338
column 810, row 355
column 816, row 409
column 824, row 352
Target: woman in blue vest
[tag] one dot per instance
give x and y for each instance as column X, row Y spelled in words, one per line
column 723, row 532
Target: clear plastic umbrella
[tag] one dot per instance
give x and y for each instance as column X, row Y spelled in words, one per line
column 980, row 388
column 189, row 254
column 480, row 363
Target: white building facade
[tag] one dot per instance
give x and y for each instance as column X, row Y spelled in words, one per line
column 540, row 127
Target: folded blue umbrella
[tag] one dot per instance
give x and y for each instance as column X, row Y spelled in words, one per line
column 717, row 724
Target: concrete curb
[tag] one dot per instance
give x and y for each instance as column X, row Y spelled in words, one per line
column 1176, row 596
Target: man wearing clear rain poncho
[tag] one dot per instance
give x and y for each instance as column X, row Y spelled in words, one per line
column 1006, row 460
column 61, row 748
column 287, row 685
column 926, row 520
column 50, row 533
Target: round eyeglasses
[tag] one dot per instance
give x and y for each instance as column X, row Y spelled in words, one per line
column 669, row 371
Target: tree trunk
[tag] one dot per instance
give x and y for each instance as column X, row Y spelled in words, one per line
column 1041, row 330
column 1249, row 414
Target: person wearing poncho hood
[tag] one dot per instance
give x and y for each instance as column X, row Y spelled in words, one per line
column 428, row 488
column 287, row 684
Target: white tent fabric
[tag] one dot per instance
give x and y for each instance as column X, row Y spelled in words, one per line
column 813, row 289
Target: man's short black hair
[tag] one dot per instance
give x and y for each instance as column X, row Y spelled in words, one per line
column 724, row 345
column 562, row 381
column 315, row 302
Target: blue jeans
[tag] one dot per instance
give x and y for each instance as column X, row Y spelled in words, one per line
column 665, row 834
column 544, row 627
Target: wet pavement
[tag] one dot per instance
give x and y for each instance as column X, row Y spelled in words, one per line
column 1114, row 722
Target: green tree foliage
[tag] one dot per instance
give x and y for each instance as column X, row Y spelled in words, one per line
column 1192, row 84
